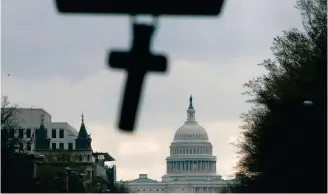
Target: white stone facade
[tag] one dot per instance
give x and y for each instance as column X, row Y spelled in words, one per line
column 191, row 167
column 62, row 134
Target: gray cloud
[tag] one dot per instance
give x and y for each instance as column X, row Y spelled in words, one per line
column 37, row 41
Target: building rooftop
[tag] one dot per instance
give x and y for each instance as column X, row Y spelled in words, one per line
column 107, row 157
column 144, row 180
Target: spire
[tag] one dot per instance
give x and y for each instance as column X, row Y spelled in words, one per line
column 42, row 120
column 42, row 142
column 191, row 111
column 82, row 116
column 190, row 103
column 83, row 134
column 83, row 140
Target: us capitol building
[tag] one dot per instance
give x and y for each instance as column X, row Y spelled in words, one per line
column 190, row 168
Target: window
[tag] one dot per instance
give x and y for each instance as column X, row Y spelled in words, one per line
column 61, row 146
column 28, row 133
column 20, row 133
column 28, row 147
column 88, row 158
column 11, row 133
column 53, row 133
column 21, row 146
column 53, row 146
column 70, row 146
column 61, row 133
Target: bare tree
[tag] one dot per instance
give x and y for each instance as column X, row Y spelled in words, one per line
column 10, row 127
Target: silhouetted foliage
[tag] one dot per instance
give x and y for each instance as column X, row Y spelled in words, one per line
column 283, row 145
column 16, row 167
column 10, row 130
column 118, row 188
column 58, row 180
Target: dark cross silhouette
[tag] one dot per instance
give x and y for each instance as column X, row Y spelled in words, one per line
column 137, row 62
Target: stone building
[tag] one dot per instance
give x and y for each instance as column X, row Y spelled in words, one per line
column 82, row 160
column 190, row 167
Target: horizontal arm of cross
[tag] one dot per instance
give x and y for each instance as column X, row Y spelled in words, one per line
column 137, row 61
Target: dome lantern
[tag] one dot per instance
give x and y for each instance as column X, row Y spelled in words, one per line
column 191, row 111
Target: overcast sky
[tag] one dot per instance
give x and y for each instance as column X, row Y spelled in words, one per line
column 58, row 63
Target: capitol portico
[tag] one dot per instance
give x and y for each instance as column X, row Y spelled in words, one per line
column 190, row 168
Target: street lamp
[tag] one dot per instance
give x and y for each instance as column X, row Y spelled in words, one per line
column 98, row 187
column 67, row 170
column 55, row 184
column 307, row 103
column 37, row 158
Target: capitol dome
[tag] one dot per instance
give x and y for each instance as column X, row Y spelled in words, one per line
column 191, row 130
column 190, row 152
column 190, row 166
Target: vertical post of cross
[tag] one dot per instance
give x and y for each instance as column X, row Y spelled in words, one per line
column 137, row 62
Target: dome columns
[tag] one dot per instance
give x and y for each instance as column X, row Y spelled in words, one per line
column 191, row 166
